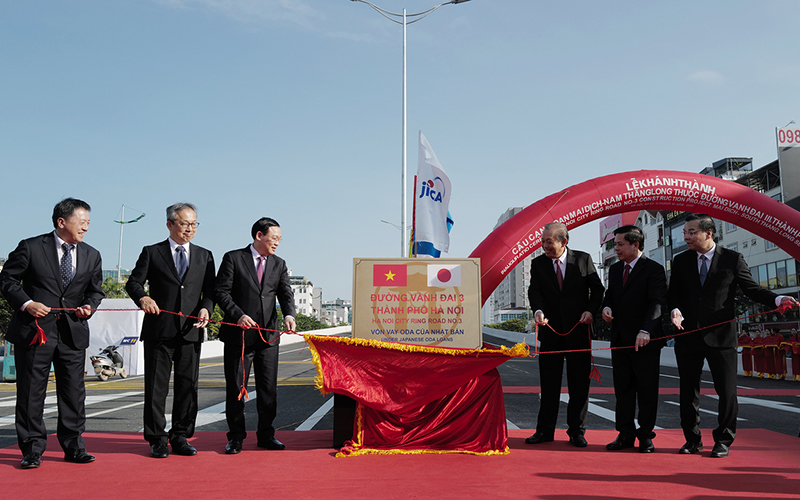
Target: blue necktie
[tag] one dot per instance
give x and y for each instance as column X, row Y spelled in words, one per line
column 703, row 269
column 181, row 264
column 66, row 264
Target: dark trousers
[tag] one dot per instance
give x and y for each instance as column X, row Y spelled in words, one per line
column 33, row 370
column 723, row 364
column 579, row 366
column 159, row 358
column 636, row 378
column 264, row 359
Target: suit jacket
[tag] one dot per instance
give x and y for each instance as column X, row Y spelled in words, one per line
column 32, row 272
column 639, row 305
column 714, row 301
column 196, row 291
column 582, row 291
column 238, row 292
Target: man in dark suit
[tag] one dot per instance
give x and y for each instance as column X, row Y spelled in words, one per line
column 565, row 292
column 634, row 305
column 52, row 271
column 701, row 293
column 181, row 278
column 248, row 283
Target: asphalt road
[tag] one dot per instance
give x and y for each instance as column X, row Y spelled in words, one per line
column 116, row 405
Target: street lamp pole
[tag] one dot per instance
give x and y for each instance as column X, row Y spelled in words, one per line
column 405, row 22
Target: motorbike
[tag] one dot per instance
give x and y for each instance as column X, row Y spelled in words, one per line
column 108, row 363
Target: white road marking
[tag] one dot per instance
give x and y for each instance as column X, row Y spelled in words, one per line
column 311, row 421
column 90, row 400
column 703, row 410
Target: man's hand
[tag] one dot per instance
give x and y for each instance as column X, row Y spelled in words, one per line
column 290, row 323
column 607, row 316
column 677, row 319
column 149, row 305
column 83, row 311
column 37, row 309
column 587, row 318
column 642, row 339
column 539, row 318
column 203, row 315
column 247, row 322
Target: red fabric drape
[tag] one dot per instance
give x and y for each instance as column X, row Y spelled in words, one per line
column 417, row 399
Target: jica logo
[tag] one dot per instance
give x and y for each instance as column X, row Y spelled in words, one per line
column 434, row 189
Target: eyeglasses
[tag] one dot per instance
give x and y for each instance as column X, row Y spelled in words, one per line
column 691, row 233
column 185, row 225
column 273, row 239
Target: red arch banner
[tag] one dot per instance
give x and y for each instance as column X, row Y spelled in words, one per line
column 507, row 245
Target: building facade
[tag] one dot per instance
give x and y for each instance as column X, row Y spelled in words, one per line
column 510, row 299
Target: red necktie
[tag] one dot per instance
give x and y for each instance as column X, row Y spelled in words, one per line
column 625, row 274
column 559, row 275
column 260, row 268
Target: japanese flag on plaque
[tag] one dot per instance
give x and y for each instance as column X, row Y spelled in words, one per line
column 444, row 274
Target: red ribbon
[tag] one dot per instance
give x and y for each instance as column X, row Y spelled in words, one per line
column 40, row 337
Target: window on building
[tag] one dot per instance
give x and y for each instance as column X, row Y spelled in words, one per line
column 776, row 197
column 791, row 272
column 762, row 275
column 781, row 272
column 754, row 273
column 772, row 276
column 734, row 247
column 769, row 245
column 730, row 227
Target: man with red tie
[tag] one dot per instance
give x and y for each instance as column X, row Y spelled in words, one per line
column 565, row 293
column 248, row 283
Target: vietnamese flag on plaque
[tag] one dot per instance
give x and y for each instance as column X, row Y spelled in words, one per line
column 389, row 275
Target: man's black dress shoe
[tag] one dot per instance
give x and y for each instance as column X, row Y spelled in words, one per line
column 233, row 447
column 578, row 441
column 691, row 448
column 79, row 457
column 271, row 444
column 539, row 437
column 159, row 450
column 32, row 461
column 720, row 450
column 182, row 447
column 620, row 443
column 646, row 445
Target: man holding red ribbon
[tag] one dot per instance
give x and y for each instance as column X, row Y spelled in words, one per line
column 700, row 297
column 53, row 282
column 180, row 275
column 248, row 283
column 565, row 293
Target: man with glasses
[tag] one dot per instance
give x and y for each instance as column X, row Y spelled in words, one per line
column 248, row 283
column 701, row 296
column 53, row 282
column 181, row 278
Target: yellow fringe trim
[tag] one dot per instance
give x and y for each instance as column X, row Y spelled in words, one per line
column 319, row 379
column 518, row 351
column 373, row 451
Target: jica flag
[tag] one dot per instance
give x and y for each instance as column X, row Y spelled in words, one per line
column 431, row 229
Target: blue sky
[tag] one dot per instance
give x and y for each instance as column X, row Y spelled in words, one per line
column 292, row 109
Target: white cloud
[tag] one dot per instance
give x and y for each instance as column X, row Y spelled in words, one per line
column 706, row 76
column 254, row 11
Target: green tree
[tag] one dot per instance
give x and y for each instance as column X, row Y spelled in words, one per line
column 5, row 317
column 213, row 326
column 114, row 289
column 511, row 325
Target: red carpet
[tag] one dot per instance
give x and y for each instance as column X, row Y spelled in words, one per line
column 673, row 391
column 762, row 464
